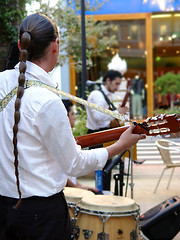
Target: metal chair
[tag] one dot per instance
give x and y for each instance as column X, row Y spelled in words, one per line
column 166, row 148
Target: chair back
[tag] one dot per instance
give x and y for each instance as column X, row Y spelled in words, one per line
column 165, row 153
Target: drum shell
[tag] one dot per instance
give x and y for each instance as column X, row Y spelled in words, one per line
column 118, row 225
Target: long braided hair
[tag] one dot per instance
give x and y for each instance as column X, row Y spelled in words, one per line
column 37, row 31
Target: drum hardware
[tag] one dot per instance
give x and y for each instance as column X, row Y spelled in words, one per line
column 136, row 218
column 119, row 231
column 75, row 229
column 133, row 235
column 87, row 233
column 103, row 235
column 73, row 208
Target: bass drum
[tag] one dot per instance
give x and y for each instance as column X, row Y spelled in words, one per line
column 106, row 217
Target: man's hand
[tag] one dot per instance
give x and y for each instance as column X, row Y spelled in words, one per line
column 123, row 110
column 126, row 141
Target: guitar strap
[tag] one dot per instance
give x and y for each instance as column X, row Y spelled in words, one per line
column 110, row 104
column 35, row 83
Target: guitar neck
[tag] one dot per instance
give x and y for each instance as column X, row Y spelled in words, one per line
column 158, row 125
column 93, row 139
column 127, row 94
column 125, row 99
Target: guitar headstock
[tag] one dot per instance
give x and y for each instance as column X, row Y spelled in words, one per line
column 159, row 125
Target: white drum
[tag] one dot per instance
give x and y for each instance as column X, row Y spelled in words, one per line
column 106, row 217
column 73, row 196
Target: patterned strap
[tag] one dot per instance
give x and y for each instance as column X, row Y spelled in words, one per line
column 34, row 83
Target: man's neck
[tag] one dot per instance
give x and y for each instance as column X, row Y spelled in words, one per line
column 105, row 89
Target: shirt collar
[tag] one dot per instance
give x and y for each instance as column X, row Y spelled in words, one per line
column 105, row 90
column 34, row 72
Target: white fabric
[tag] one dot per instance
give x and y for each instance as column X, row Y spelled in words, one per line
column 95, row 119
column 73, row 179
column 46, row 146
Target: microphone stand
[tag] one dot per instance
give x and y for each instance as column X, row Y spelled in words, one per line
column 120, row 176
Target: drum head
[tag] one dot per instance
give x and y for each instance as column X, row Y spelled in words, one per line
column 74, row 195
column 108, row 203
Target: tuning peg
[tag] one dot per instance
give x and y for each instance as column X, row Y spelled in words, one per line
column 148, row 119
column 159, row 136
column 154, row 118
column 162, row 116
column 167, row 136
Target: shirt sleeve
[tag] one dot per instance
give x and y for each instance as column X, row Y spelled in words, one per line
column 56, row 134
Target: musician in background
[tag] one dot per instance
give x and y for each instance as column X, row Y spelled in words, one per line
column 97, row 121
column 72, row 181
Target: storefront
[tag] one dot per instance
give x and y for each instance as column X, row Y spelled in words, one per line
column 148, row 34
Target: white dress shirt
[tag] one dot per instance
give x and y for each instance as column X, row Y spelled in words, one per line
column 47, row 149
column 95, row 119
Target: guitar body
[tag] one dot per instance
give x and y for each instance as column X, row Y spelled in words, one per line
column 115, row 123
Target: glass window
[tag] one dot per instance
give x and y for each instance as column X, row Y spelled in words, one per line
column 134, row 32
column 131, row 47
column 166, row 51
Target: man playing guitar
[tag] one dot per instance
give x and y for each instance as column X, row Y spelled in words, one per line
column 97, row 121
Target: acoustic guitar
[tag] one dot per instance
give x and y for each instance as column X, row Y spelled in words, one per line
column 127, row 93
column 158, row 125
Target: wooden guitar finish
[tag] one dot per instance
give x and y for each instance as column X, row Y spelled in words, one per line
column 127, row 93
column 114, row 123
column 159, row 125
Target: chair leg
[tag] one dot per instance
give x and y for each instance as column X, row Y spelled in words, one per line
column 170, row 177
column 159, row 179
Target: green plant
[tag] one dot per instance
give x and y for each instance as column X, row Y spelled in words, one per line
column 167, row 111
column 12, row 12
column 168, row 83
column 80, row 126
column 67, row 17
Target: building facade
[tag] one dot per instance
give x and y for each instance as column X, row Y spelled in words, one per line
column 148, row 35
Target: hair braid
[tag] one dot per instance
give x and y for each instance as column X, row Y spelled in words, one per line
column 25, row 43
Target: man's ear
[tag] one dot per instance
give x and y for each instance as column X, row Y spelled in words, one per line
column 19, row 45
column 108, row 80
column 56, row 45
